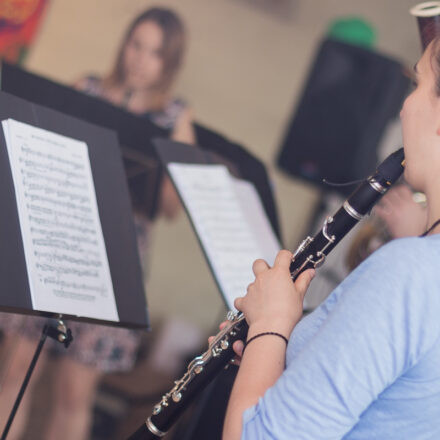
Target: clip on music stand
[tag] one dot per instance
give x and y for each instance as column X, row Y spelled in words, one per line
column 118, row 230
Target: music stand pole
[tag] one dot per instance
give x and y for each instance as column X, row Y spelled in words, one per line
column 60, row 333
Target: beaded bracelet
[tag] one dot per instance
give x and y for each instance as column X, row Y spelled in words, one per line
column 264, row 334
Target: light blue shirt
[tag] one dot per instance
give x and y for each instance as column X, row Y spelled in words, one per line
column 364, row 365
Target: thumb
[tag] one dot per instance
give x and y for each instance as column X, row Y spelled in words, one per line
column 303, row 281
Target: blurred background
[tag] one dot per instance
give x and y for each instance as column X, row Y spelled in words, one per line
column 246, row 64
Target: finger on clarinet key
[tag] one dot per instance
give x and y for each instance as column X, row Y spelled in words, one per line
column 223, row 325
column 303, row 281
column 238, row 303
column 259, row 266
column 238, row 347
column 283, row 258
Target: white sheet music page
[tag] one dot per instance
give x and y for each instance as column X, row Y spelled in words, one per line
column 63, row 243
column 230, row 221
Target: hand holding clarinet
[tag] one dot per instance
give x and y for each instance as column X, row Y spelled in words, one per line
column 272, row 304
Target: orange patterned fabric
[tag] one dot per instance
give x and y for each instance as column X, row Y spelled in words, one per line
column 19, row 20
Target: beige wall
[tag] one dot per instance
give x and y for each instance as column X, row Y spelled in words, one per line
column 243, row 73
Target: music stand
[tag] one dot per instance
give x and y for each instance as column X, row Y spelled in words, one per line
column 135, row 134
column 116, row 221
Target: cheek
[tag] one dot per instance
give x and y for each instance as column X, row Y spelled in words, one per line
column 408, row 132
column 414, row 175
column 155, row 65
column 404, row 113
column 413, row 117
column 408, row 107
column 403, row 109
column 129, row 56
column 407, row 173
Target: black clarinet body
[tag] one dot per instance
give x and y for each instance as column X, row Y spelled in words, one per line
column 311, row 253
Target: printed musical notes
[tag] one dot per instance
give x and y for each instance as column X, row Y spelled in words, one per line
column 62, row 236
column 230, row 222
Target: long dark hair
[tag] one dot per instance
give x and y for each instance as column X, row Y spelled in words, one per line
column 174, row 42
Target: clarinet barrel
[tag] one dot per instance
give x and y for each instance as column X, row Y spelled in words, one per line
column 311, row 253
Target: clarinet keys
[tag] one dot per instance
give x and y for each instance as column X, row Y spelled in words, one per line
column 224, row 344
column 176, row 397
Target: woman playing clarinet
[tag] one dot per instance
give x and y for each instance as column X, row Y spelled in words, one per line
column 365, row 364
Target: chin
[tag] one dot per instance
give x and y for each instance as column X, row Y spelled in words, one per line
column 137, row 82
column 413, row 178
column 135, row 85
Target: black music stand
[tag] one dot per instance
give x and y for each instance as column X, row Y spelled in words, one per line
column 118, row 230
column 60, row 333
column 135, row 133
column 211, row 406
column 172, row 152
column 142, row 165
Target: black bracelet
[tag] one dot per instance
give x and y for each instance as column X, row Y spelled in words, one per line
column 264, row 334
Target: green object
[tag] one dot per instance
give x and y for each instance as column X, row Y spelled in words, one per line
column 353, row 30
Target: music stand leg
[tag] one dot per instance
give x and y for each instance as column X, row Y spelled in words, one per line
column 61, row 334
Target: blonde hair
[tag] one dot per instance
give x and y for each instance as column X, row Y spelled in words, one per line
column 172, row 52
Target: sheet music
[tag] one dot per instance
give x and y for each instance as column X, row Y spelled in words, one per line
column 63, row 243
column 230, row 222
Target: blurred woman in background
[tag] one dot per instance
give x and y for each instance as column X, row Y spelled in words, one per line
column 364, row 364
column 141, row 81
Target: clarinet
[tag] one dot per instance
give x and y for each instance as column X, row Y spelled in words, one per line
column 311, row 253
